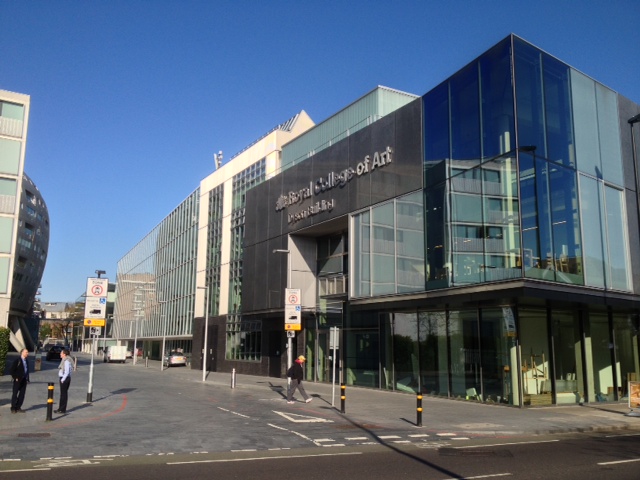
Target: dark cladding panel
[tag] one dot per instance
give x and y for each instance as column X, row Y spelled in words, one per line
column 328, row 169
column 259, row 276
column 261, row 217
column 250, row 226
column 360, row 190
column 408, row 148
column 268, row 206
column 248, row 283
column 383, row 179
column 277, row 273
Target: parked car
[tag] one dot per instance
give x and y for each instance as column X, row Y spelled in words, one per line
column 174, row 359
column 54, row 352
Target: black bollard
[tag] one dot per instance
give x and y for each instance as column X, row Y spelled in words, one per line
column 343, row 396
column 49, row 401
column 419, row 410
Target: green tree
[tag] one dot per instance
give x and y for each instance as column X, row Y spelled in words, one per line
column 4, row 348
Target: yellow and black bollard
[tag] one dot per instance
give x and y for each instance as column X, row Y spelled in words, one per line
column 49, row 401
column 419, row 410
column 343, row 396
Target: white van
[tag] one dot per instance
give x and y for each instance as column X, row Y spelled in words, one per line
column 115, row 354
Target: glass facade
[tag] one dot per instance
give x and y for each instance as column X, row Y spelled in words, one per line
column 523, row 180
column 157, row 283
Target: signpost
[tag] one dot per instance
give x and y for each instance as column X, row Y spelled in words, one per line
column 95, row 315
column 292, row 319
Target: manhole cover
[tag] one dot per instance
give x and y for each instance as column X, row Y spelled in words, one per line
column 34, row 435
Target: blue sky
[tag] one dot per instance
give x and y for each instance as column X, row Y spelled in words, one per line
column 130, row 99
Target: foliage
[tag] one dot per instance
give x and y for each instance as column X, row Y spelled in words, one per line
column 4, row 348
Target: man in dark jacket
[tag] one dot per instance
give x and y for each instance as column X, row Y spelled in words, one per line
column 296, row 374
column 20, row 375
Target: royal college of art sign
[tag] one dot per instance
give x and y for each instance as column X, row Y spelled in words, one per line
column 327, row 183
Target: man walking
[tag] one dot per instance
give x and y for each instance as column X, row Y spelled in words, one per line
column 20, row 375
column 64, row 373
column 296, row 374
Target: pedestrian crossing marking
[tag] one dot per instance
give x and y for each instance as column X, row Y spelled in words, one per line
column 297, row 418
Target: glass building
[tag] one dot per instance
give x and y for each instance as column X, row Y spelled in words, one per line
column 479, row 242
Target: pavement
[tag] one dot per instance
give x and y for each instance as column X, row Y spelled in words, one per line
column 141, row 410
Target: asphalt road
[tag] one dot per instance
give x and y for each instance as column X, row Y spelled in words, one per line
column 582, row 456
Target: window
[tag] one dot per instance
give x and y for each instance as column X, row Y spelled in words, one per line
column 244, row 339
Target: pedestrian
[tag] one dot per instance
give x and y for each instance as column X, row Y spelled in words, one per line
column 64, row 373
column 20, row 375
column 296, row 374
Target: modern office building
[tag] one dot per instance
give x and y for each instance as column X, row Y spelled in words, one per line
column 24, row 225
column 481, row 241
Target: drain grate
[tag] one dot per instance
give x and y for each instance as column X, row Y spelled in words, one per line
column 34, row 435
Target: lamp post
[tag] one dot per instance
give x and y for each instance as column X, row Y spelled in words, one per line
column 206, row 332
column 289, row 342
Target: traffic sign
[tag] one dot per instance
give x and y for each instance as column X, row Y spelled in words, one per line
column 92, row 322
column 292, row 296
column 291, row 334
column 95, row 307
column 97, row 287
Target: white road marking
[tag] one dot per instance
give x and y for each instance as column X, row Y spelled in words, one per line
column 484, row 476
column 235, row 413
column 27, row 470
column 356, row 438
column 387, row 437
column 620, row 461
column 507, row 443
column 227, row 460
column 297, row 418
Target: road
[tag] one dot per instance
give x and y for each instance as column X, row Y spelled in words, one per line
column 568, row 457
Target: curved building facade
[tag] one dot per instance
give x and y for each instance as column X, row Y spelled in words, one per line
column 24, row 225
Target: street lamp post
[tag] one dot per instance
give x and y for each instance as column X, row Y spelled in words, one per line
column 206, row 332
column 289, row 341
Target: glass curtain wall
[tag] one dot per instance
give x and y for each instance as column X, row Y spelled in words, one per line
column 625, row 328
column 535, row 357
column 389, row 241
column 434, row 364
column 568, row 373
column 599, row 345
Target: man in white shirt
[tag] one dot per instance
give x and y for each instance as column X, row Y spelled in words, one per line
column 64, row 373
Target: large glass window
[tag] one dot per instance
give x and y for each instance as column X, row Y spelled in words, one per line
column 465, row 355
column 568, row 359
column 609, row 135
column 606, row 247
column 465, row 115
column 592, row 206
column 557, row 106
column 586, row 127
column 436, row 124
column 405, row 352
column 497, row 352
column 434, row 365
column 9, row 156
column 389, row 241
column 6, row 234
column 625, row 328
column 535, row 358
column 529, row 95
column 598, row 351
column 497, row 101
column 617, row 273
